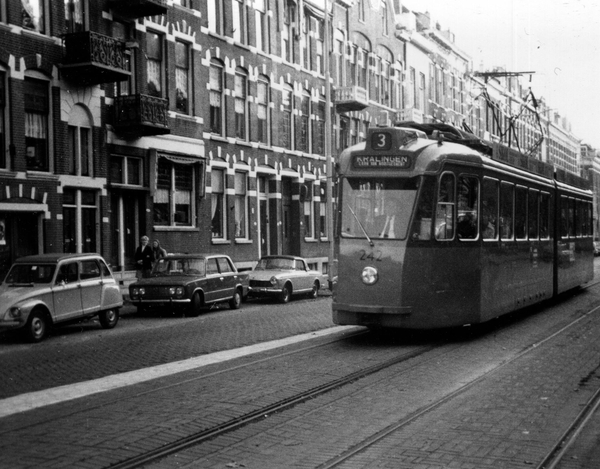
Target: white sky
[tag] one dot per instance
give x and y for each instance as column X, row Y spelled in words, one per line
column 558, row 39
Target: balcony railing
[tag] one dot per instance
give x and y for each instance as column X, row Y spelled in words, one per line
column 139, row 8
column 92, row 58
column 139, row 115
column 350, row 98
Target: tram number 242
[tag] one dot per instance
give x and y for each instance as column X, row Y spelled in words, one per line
column 370, row 256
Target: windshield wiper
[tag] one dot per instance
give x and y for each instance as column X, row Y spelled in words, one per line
column 361, row 225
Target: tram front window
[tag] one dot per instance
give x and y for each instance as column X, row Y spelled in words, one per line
column 377, row 208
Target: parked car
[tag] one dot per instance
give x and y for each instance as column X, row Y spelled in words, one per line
column 283, row 276
column 190, row 282
column 50, row 289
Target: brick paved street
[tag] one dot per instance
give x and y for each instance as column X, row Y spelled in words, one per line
column 509, row 419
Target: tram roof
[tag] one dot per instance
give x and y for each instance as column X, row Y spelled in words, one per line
column 496, row 151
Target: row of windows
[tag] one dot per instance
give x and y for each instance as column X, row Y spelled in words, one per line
column 495, row 210
column 37, row 130
column 312, row 209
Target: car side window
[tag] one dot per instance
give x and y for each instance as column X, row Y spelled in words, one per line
column 89, row 270
column 224, row 265
column 211, row 267
column 104, row 269
column 300, row 265
column 67, row 273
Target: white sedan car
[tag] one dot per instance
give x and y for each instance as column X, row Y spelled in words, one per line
column 283, row 276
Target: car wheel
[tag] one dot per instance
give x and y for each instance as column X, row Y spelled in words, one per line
column 109, row 318
column 195, row 305
column 236, row 301
column 36, row 327
column 315, row 290
column 286, row 294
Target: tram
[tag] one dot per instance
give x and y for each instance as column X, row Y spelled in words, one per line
column 436, row 228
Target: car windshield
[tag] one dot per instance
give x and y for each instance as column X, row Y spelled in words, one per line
column 275, row 264
column 179, row 266
column 30, row 274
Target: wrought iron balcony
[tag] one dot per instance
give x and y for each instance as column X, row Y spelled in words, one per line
column 139, row 8
column 139, row 115
column 350, row 98
column 92, row 58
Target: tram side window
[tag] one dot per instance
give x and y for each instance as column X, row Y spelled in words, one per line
column 489, row 209
column 572, row 218
column 564, row 217
column 544, row 215
column 424, row 214
column 533, row 214
column 588, row 219
column 444, row 213
column 468, row 206
column 507, row 195
column 521, row 212
column 580, row 217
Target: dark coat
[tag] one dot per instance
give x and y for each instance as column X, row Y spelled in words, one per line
column 146, row 256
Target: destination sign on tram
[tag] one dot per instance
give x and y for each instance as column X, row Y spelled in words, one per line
column 381, row 162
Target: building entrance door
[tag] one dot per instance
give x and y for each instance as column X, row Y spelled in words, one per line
column 128, row 221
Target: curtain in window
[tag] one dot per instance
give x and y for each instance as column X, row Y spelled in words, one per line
column 35, row 125
column 154, row 81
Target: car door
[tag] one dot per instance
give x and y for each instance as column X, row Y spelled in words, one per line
column 90, row 279
column 299, row 275
column 213, row 280
column 228, row 277
column 65, row 292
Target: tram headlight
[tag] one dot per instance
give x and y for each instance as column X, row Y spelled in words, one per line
column 369, row 275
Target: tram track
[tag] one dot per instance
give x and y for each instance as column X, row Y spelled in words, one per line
column 155, row 455
column 259, row 414
column 553, row 457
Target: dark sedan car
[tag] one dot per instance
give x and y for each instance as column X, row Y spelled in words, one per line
column 190, row 282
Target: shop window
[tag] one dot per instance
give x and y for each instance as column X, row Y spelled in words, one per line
column 80, row 221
